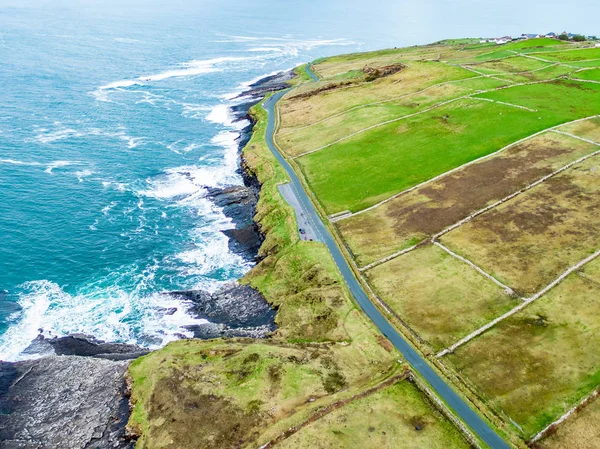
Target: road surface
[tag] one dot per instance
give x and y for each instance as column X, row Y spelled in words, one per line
column 306, row 228
column 418, row 364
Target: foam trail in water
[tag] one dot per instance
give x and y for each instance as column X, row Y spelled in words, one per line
column 106, row 312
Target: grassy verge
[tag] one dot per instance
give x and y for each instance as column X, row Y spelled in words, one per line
column 542, row 361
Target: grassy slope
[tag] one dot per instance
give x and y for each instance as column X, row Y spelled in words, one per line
column 241, row 392
column 390, row 418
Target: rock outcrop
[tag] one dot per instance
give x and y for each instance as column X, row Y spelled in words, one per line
column 63, row 402
column 232, row 311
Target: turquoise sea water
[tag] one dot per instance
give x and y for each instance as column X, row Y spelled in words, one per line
column 104, row 109
column 102, row 117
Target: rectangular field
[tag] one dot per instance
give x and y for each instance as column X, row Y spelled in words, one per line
column 425, row 211
column 569, row 99
column 584, row 54
column 588, row 129
column 399, row 415
column 299, row 109
column 529, row 241
column 374, row 165
column 510, row 65
column 540, row 362
column 440, row 297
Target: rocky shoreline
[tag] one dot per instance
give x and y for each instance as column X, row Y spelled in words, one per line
column 75, row 395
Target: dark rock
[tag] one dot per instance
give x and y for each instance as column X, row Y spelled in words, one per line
column 233, row 310
column 63, row 403
column 246, row 241
column 87, row 346
column 238, row 202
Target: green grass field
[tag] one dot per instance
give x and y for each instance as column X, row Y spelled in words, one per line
column 533, row 43
column 397, row 416
column 569, row 100
column 593, row 75
column 543, row 360
column 440, row 298
column 510, row 65
column 574, row 55
column 372, row 166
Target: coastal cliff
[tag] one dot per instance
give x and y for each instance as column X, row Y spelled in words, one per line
column 75, row 395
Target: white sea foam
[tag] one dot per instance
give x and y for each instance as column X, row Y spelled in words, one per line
column 83, row 174
column 57, row 164
column 16, row 162
column 119, row 186
column 61, row 134
column 108, row 313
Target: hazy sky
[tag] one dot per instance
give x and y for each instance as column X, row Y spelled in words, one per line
column 384, row 22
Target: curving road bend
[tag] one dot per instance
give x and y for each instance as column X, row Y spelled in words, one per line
column 453, row 400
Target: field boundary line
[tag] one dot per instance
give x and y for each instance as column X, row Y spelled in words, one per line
column 505, row 103
column 375, row 103
column 507, row 289
column 525, row 303
column 567, row 415
column 460, row 167
column 390, row 257
column 584, row 81
column 564, row 133
column 493, row 205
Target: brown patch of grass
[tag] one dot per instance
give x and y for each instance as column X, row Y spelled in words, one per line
column 430, row 209
column 183, row 418
column 543, row 360
column 530, row 240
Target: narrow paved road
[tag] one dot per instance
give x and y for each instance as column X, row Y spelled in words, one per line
column 311, row 73
column 456, row 403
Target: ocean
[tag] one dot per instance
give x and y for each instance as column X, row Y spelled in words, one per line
column 113, row 119
column 103, row 118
